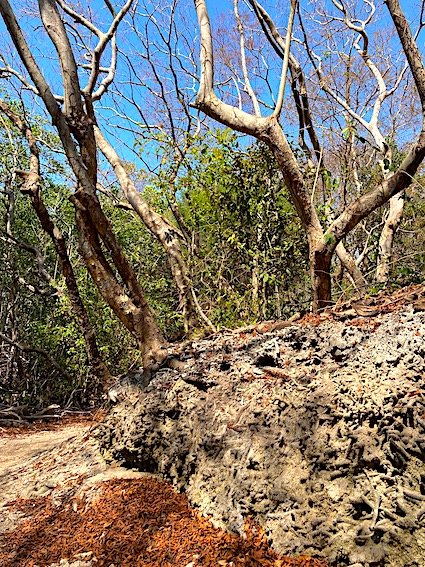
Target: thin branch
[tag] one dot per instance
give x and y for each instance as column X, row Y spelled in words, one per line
column 79, row 18
column 100, row 48
column 298, row 82
column 247, row 82
column 55, row 29
column 279, row 103
column 39, row 258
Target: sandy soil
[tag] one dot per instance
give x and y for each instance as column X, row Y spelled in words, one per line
column 17, row 451
column 62, row 505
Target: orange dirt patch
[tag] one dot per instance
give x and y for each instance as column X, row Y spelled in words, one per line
column 138, row 523
column 52, row 424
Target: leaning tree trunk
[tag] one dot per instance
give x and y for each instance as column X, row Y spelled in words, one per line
column 99, row 368
column 353, row 271
column 123, row 295
column 74, row 123
column 129, row 306
column 31, row 185
column 165, row 233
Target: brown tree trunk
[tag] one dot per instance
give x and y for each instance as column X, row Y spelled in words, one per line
column 255, row 286
column 320, row 254
column 95, row 361
column 31, row 185
column 132, row 309
column 320, row 273
column 353, row 270
column 322, row 284
column 165, row 233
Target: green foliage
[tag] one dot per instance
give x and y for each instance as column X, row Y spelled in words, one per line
column 247, row 257
column 329, row 238
column 38, row 313
column 251, row 246
column 409, row 249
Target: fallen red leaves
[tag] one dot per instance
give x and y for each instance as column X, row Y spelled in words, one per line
column 138, row 523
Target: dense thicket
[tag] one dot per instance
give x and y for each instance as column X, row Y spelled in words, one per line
column 128, row 220
column 248, row 263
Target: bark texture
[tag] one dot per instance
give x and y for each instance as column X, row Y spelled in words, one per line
column 116, row 283
column 386, row 240
column 168, row 235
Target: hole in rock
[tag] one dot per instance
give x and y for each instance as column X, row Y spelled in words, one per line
column 361, row 509
column 337, row 355
column 400, row 512
column 146, row 464
column 173, row 414
column 200, row 385
column 377, row 536
column 265, row 360
column 253, row 465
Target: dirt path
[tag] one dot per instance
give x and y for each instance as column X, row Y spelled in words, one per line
column 61, row 504
column 54, row 463
column 15, row 451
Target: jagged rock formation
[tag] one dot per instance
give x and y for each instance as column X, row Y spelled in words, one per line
column 317, row 430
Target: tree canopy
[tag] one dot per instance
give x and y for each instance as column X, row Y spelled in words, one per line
column 172, row 168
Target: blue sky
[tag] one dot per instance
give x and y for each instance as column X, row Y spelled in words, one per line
column 125, row 139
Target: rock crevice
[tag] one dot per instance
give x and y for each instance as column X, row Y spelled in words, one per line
column 318, row 432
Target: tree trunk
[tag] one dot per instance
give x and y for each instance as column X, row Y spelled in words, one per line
column 320, row 254
column 386, row 239
column 320, row 271
column 255, row 286
column 32, row 187
column 95, row 361
column 132, row 310
column 165, row 233
column 278, row 307
column 353, row 270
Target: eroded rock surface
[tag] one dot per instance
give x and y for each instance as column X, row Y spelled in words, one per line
column 318, row 431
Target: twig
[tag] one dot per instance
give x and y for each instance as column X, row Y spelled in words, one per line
column 45, row 354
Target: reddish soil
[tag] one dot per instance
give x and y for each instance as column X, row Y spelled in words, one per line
column 50, row 424
column 133, row 523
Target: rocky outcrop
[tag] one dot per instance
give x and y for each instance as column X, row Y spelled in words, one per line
column 316, row 430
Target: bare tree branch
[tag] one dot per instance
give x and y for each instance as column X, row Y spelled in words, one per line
column 279, row 103
column 410, row 47
column 27, row 348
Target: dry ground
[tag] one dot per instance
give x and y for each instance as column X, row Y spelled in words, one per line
column 60, row 504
